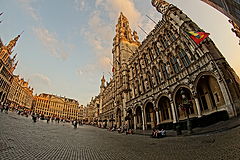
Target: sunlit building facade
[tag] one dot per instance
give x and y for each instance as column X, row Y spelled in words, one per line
column 150, row 78
column 20, row 93
column 7, row 66
column 57, row 107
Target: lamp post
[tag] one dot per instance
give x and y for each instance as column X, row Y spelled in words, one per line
column 186, row 106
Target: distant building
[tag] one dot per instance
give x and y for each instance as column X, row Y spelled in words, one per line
column 20, row 93
column 7, row 66
column 231, row 9
column 151, row 78
column 92, row 111
column 58, row 107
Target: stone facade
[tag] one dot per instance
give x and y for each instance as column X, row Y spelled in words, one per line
column 7, row 66
column 57, row 107
column 92, row 111
column 149, row 78
column 20, row 93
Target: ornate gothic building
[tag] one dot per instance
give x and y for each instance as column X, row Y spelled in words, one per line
column 7, row 66
column 151, row 79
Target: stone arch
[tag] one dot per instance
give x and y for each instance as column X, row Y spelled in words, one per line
column 181, row 113
column 208, row 92
column 150, row 115
column 118, row 117
column 164, row 108
column 130, row 118
column 204, row 73
column 138, row 114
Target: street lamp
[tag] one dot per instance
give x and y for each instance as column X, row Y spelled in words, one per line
column 186, row 106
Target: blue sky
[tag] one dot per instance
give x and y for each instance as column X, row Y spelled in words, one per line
column 66, row 45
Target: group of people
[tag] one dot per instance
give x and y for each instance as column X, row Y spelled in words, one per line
column 123, row 129
column 4, row 107
column 156, row 133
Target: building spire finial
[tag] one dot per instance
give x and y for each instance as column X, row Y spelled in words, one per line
column 161, row 5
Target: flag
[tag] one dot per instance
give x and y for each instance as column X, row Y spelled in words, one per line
column 198, row 37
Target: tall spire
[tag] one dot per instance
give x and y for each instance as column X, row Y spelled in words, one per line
column 14, row 67
column 14, row 57
column 12, row 43
column 103, row 81
column 161, row 5
column 123, row 29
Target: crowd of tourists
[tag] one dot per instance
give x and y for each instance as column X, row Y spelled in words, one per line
column 4, row 108
column 156, row 133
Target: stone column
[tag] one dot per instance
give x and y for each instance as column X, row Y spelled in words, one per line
column 157, row 115
column 143, row 119
column 135, row 121
column 174, row 113
column 198, row 106
column 226, row 96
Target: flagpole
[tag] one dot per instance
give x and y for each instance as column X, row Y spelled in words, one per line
column 142, row 30
column 151, row 19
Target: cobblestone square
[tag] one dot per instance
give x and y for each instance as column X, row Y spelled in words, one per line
column 20, row 138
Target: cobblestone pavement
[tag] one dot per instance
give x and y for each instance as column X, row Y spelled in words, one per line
column 21, row 139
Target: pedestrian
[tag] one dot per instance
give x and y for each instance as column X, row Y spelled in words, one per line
column 34, row 117
column 75, row 124
column 48, row 119
column 6, row 108
column 1, row 107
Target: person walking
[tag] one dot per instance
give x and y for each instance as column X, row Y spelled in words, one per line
column 75, row 124
column 1, row 107
column 6, row 108
column 34, row 117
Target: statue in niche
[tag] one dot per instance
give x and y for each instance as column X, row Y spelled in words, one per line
column 168, row 67
column 135, row 36
column 179, row 63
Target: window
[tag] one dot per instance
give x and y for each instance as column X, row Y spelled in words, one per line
column 165, row 74
column 216, row 97
column 157, row 76
column 164, row 42
column 184, row 58
column 156, row 49
column 175, row 64
column 171, row 36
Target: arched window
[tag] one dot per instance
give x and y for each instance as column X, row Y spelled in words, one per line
column 171, row 36
column 156, row 49
column 184, row 58
column 164, row 42
column 164, row 70
column 151, row 54
column 143, row 85
column 175, row 64
column 156, row 74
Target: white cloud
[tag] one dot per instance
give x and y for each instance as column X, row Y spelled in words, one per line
column 27, row 5
column 101, row 28
column 114, row 7
column 40, row 82
column 40, row 78
column 50, row 41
